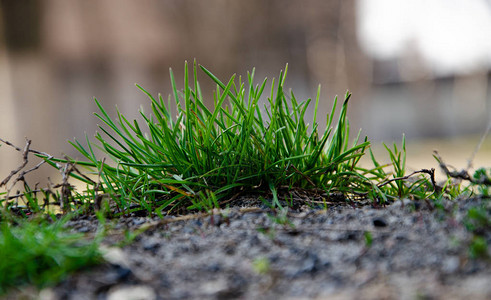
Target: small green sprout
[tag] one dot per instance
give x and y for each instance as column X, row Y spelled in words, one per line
column 478, row 247
column 261, row 265
column 368, row 239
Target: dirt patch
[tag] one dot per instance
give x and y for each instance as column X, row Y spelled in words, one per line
column 247, row 253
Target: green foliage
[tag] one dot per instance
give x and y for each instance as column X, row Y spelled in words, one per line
column 261, row 265
column 398, row 159
column 402, row 185
column 281, row 218
column 482, row 180
column 478, row 219
column 207, row 201
column 237, row 147
column 478, row 222
column 37, row 252
column 184, row 156
column 478, row 248
column 368, row 239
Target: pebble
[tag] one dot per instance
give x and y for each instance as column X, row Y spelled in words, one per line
column 114, row 255
column 451, row 264
column 83, row 229
column 151, row 244
column 210, row 288
column 235, row 224
column 189, row 229
column 138, row 221
column 139, row 292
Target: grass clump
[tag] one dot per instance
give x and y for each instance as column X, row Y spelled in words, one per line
column 238, row 147
column 41, row 253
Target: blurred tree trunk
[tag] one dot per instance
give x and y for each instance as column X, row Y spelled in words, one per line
column 27, row 81
column 21, row 20
column 8, row 129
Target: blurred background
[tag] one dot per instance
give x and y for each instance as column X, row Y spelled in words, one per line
column 421, row 68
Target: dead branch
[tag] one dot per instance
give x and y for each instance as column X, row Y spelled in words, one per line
column 25, row 154
column 462, row 174
column 21, row 150
column 430, row 172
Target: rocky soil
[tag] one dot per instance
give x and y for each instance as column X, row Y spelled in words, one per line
column 254, row 253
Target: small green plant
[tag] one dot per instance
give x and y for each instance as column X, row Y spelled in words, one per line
column 478, row 222
column 198, row 159
column 482, row 180
column 261, row 265
column 398, row 159
column 478, row 247
column 478, row 219
column 239, row 146
column 206, row 201
column 41, row 253
column 388, row 186
column 368, row 239
column 403, row 185
column 281, row 218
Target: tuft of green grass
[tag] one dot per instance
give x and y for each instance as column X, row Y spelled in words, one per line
column 181, row 160
column 183, row 156
column 41, row 253
column 398, row 159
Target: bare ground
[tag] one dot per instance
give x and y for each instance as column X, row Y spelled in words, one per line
column 246, row 253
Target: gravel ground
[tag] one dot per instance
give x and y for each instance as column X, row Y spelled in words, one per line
column 245, row 253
